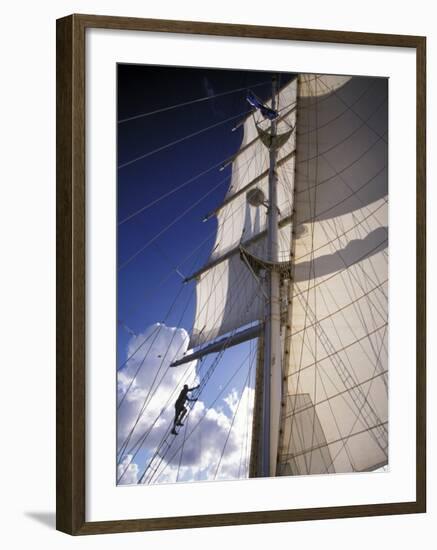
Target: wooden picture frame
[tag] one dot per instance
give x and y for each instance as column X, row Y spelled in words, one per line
column 71, row 253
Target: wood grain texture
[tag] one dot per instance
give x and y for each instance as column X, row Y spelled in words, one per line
column 70, row 274
column 421, row 275
column 70, row 277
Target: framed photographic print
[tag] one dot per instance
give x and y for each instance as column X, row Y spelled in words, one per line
column 241, row 274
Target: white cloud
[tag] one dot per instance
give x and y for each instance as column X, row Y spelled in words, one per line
column 130, row 470
column 206, row 429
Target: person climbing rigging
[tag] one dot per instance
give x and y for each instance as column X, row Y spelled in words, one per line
column 180, row 408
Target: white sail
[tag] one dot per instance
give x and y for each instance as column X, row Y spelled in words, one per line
column 228, row 294
column 335, row 413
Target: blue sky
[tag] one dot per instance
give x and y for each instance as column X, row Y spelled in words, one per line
column 143, row 89
column 148, row 283
column 143, row 299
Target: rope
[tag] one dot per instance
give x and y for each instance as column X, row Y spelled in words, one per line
column 140, row 442
column 169, row 193
column 185, row 103
column 205, row 379
column 146, row 399
column 182, row 450
column 247, row 164
column 143, row 407
column 232, row 425
column 225, row 343
column 173, row 222
column 180, row 140
column 225, row 387
column 150, row 347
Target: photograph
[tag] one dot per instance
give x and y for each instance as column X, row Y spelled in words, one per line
column 252, row 274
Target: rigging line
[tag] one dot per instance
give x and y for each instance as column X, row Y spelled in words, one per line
column 355, row 113
column 203, row 383
column 336, row 352
column 323, row 99
column 225, row 387
column 178, row 218
column 146, row 399
column 232, row 425
column 256, row 140
column 146, row 354
column 244, row 447
column 180, row 140
column 364, row 207
column 140, row 442
column 368, row 227
column 312, row 273
column 348, row 108
column 344, row 169
column 358, row 414
column 260, row 178
column 356, row 387
column 289, row 296
column 173, row 222
column 329, row 404
column 207, row 376
column 365, row 255
column 344, row 199
column 350, row 274
column 344, row 382
column 346, row 183
column 287, row 344
column 137, row 349
column 213, row 233
column 142, row 409
column 339, row 440
column 345, row 232
column 261, row 119
column 171, row 192
column 168, row 194
column 191, row 102
column 216, row 283
column 258, row 279
column 290, row 179
column 346, row 138
column 231, row 212
column 378, row 275
column 182, row 450
column 384, row 252
column 250, row 409
column 139, row 416
column 164, row 280
column 316, row 365
column 228, row 216
column 142, row 438
column 348, row 452
column 299, row 432
column 239, row 285
column 346, row 317
column 206, row 304
column 316, row 176
column 361, row 392
column 309, row 198
column 335, row 395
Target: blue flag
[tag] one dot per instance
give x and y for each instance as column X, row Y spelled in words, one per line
column 266, row 112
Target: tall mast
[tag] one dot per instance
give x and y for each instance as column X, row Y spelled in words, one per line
column 272, row 357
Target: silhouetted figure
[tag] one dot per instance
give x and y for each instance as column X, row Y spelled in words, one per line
column 180, row 408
